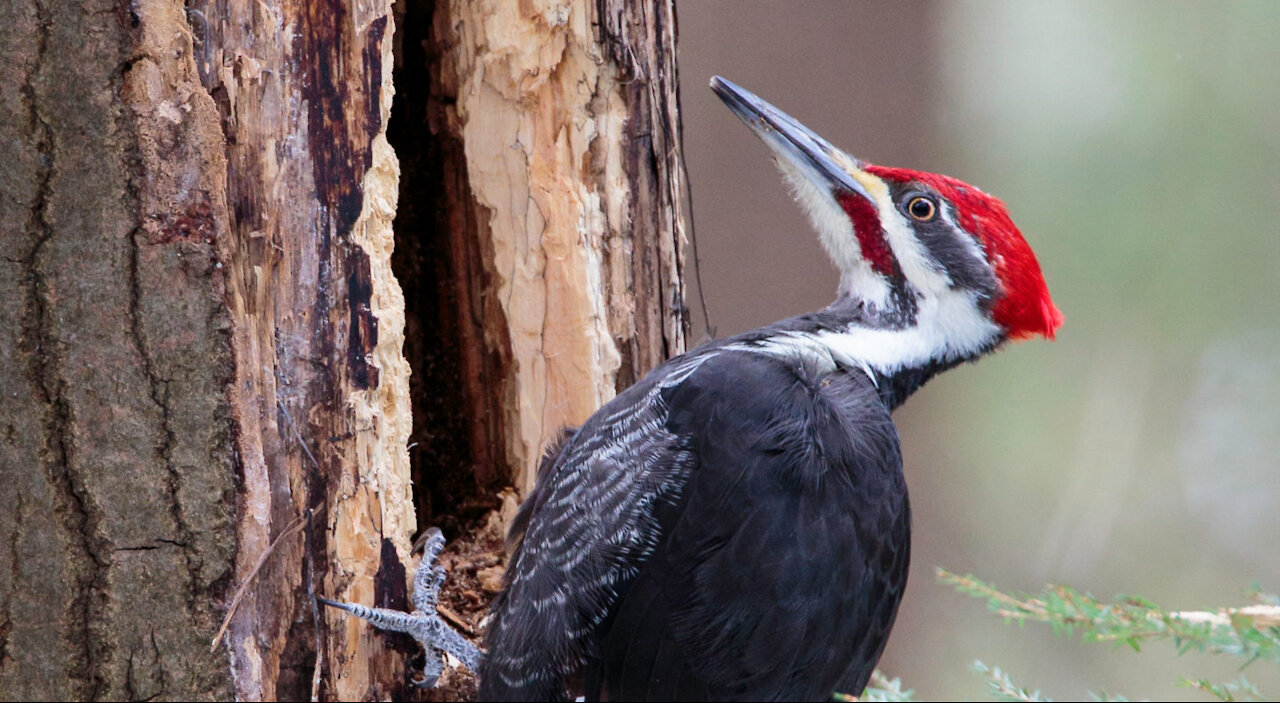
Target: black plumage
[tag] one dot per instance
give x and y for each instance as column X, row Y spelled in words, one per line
column 736, row 526
column 738, row 529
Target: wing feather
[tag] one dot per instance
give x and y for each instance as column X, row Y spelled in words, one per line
column 716, row 531
column 582, row 536
column 772, row 581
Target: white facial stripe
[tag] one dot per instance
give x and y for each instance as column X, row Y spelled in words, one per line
column 913, row 257
column 949, row 326
column 857, row 278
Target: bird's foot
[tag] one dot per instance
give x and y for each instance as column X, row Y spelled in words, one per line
column 424, row 624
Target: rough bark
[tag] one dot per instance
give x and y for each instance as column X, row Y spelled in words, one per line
column 201, row 342
column 565, row 192
column 116, row 452
column 200, row 331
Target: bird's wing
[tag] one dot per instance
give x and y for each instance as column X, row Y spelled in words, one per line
column 780, row 570
column 582, row 536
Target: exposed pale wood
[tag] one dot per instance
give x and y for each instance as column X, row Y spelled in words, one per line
column 304, row 95
column 567, row 116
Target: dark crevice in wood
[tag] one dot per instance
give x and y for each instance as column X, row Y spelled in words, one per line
column 15, row 569
column 158, row 389
column 457, row 457
column 390, row 590
column 46, row 373
column 297, row 661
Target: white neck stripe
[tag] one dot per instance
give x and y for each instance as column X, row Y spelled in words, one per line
column 948, row 328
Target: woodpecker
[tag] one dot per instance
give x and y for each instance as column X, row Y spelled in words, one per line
column 735, row 526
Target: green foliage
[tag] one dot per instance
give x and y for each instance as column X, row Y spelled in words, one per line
column 1251, row 633
column 882, row 688
column 1002, row 688
column 1238, row 690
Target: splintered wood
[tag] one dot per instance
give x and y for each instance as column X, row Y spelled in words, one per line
column 568, row 116
column 320, row 397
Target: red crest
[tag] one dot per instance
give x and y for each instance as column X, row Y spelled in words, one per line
column 1025, row 308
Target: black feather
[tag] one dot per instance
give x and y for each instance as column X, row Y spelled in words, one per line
column 735, row 526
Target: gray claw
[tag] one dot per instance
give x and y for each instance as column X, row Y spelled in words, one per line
column 424, row 623
column 432, row 667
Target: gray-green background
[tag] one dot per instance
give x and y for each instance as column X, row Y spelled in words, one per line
column 1138, row 147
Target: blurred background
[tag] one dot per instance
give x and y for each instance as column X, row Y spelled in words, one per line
column 1138, row 147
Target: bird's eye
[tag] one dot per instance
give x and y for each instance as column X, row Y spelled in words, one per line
column 922, row 208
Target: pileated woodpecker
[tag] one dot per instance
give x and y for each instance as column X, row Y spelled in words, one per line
column 735, row 525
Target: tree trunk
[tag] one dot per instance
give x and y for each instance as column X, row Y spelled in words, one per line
column 544, row 177
column 201, row 332
column 119, row 508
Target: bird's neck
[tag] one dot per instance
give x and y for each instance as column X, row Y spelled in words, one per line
column 897, row 387
column 901, row 349
column 911, row 342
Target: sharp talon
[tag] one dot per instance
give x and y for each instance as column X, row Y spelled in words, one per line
column 433, row 545
column 425, row 682
column 424, row 624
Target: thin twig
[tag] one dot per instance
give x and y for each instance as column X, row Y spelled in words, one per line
column 697, row 260
column 1015, row 608
column 1260, row 616
column 298, row 435
column 315, row 612
column 455, row 619
column 293, row 528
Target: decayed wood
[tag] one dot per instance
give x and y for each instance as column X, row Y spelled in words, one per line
column 201, row 340
column 204, row 333
column 320, row 396
column 567, row 115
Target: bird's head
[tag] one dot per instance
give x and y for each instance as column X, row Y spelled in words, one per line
column 927, row 257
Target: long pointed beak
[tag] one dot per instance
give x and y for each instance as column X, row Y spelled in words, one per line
column 798, row 145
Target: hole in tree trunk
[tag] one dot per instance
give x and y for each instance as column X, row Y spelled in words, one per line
column 457, row 449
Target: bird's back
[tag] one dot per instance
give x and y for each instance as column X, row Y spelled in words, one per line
column 752, row 542
column 781, row 570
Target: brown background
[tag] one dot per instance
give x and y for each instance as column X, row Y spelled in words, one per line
column 1137, row 147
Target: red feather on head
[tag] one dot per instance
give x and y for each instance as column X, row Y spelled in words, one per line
column 1025, row 308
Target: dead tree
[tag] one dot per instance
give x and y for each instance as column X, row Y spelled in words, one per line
column 202, row 333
